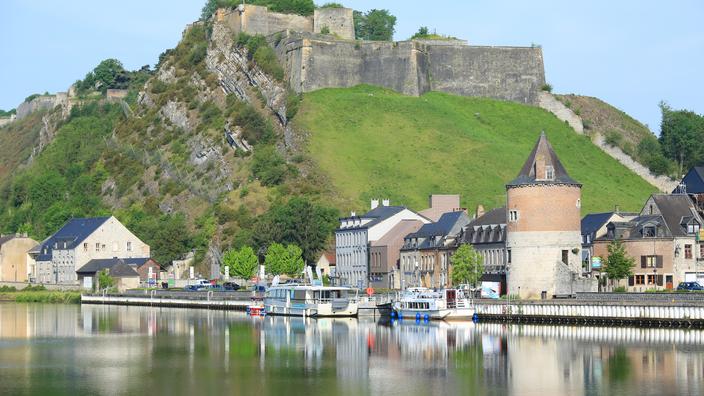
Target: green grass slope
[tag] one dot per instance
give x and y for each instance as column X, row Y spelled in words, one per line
column 376, row 143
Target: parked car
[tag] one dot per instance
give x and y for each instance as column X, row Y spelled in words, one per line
column 690, row 286
column 217, row 288
column 192, row 288
column 230, row 286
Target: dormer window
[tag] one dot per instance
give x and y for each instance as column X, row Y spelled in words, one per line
column 549, row 172
column 693, row 229
column 649, row 232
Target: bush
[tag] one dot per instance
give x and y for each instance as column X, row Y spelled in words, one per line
column 613, row 138
column 7, row 289
column 325, row 30
column 619, row 289
column 293, row 101
column 546, row 87
column 269, row 166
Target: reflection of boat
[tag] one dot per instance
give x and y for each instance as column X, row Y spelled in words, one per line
column 424, row 303
column 304, row 300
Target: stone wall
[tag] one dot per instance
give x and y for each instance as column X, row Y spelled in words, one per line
column 43, row 102
column 413, row 67
column 340, row 21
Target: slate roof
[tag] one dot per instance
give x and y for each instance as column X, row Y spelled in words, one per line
column 674, row 208
column 445, row 225
column 97, row 265
column 73, row 233
column 542, row 151
column 632, row 229
column 488, row 228
column 378, row 214
column 694, row 180
column 593, row 221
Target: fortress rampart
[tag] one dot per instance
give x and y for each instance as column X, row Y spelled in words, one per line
column 413, row 67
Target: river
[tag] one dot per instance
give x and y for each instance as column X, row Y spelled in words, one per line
column 115, row 350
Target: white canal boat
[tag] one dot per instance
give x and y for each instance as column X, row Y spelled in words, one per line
column 313, row 301
column 444, row 304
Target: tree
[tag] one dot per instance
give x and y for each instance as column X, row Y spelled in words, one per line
column 105, row 281
column 297, row 221
column 467, row 265
column 422, row 32
column 618, row 265
column 681, row 134
column 282, row 259
column 376, row 25
column 242, row 263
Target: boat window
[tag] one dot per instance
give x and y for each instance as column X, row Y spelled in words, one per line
column 299, row 295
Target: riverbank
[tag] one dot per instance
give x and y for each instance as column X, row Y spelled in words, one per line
column 38, row 295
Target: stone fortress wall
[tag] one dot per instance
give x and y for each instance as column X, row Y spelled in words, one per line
column 313, row 61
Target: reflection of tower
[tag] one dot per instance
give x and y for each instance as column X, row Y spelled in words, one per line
column 543, row 205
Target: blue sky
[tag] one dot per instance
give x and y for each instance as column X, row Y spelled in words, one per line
column 631, row 54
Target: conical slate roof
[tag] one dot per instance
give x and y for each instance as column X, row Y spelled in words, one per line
column 535, row 169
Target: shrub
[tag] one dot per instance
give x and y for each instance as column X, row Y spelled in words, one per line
column 620, row 289
column 269, row 166
column 293, row 101
column 325, row 30
column 613, row 138
column 546, row 87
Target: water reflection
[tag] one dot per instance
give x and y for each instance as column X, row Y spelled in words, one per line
column 61, row 349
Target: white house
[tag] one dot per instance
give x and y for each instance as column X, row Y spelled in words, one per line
column 81, row 240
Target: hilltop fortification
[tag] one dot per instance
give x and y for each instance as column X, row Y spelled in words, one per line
column 314, row 61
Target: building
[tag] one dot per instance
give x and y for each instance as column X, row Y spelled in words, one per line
column 326, row 263
column 384, row 255
column 543, row 237
column 81, row 240
column 15, row 263
column 487, row 235
column 440, row 204
column 593, row 226
column 692, row 184
column 356, row 233
column 665, row 241
column 124, row 274
column 425, row 255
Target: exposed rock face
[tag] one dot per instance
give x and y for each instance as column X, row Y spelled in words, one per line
column 176, row 113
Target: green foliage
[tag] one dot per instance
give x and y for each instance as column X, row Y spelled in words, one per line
column 613, row 138
column 325, row 30
column 332, row 5
column 293, row 101
column 299, row 7
column 65, row 179
column 49, row 297
column 649, row 153
column 619, row 264
column 467, row 265
column 377, row 25
column 166, row 234
column 424, row 34
column 259, row 51
column 681, row 135
column 370, row 162
column 108, row 74
column 7, row 289
column 269, row 166
column 298, row 221
column 105, row 281
column 619, row 289
column 546, row 87
column 31, row 97
column 7, row 113
column 242, row 263
column 255, row 128
column 282, row 259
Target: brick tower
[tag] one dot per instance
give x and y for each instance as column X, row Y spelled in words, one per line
column 543, row 217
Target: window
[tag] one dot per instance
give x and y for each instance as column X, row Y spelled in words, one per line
column 549, row 172
column 701, row 250
column 688, row 251
column 650, row 262
column 513, row 215
column 640, row 279
column 692, row 229
column 103, row 247
column 652, row 279
column 97, row 247
column 649, row 232
column 565, row 256
column 579, row 203
column 85, row 246
column 508, row 256
column 129, row 246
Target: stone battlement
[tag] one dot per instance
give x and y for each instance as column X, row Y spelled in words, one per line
column 412, row 67
column 255, row 19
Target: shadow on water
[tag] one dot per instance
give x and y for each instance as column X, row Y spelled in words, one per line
column 60, row 349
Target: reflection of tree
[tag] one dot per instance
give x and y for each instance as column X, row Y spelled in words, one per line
column 619, row 366
column 469, row 369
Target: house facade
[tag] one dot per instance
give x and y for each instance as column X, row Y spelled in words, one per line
column 81, row 240
column 543, row 238
column 355, row 233
column 15, row 264
column 384, row 255
column 487, row 235
column 665, row 241
column 425, row 255
column 594, row 226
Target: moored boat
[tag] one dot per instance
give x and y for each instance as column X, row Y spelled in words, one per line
column 313, row 301
column 444, row 304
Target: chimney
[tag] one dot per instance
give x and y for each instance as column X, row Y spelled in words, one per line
column 385, row 202
column 617, row 209
column 375, row 203
column 479, row 212
column 353, row 213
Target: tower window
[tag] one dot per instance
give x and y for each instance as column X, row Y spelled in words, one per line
column 549, row 172
column 513, row 215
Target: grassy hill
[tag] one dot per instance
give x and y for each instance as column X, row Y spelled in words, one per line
column 376, row 143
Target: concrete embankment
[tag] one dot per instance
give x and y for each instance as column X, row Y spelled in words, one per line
column 204, row 300
column 654, row 310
